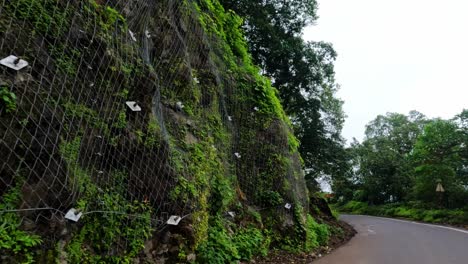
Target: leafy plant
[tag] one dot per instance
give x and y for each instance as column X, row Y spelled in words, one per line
column 46, row 16
column 8, row 98
column 13, row 241
column 223, row 247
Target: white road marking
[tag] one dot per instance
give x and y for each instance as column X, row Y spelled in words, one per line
column 413, row 222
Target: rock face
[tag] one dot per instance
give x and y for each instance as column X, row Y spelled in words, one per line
column 211, row 136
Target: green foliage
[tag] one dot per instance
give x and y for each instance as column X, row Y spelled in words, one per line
column 271, row 198
column 438, row 157
column 225, row 247
column 402, row 159
column 14, row 241
column 80, row 179
column 153, row 133
column 8, row 99
column 306, row 235
column 88, row 114
column 251, row 242
column 112, row 16
column 102, row 232
column 114, row 228
column 107, row 16
column 47, row 16
column 121, row 120
column 413, row 211
column 71, row 150
column 335, row 214
column 118, row 218
column 383, row 158
column 321, row 230
column 303, row 75
column 354, row 207
column 311, row 241
column 66, row 59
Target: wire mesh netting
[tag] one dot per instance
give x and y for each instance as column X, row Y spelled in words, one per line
column 131, row 112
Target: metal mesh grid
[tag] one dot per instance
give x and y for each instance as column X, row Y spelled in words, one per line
column 71, row 140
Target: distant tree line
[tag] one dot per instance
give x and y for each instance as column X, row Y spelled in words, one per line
column 404, row 157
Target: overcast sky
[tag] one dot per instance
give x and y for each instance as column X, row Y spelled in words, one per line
column 396, row 56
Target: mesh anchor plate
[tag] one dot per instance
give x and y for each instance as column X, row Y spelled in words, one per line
column 133, row 106
column 237, row 155
column 174, row 220
column 132, row 35
column 288, row 206
column 232, row 214
column 73, row 215
column 14, row 62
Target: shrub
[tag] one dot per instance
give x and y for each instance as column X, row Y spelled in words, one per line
column 414, row 210
column 224, row 247
column 13, row 241
column 317, row 234
column 8, row 99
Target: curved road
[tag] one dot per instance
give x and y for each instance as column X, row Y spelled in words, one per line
column 392, row 241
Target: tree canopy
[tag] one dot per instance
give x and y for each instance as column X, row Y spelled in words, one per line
column 404, row 158
column 303, row 73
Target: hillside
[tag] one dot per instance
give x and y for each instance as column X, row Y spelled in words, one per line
column 136, row 113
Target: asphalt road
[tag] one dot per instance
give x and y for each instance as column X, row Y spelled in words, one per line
column 391, row 241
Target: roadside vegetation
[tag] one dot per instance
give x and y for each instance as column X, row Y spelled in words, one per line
column 412, row 211
column 410, row 167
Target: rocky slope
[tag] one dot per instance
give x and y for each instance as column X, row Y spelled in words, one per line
column 210, row 145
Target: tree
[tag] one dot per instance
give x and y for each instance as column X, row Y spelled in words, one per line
column 403, row 158
column 382, row 160
column 438, row 156
column 303, row 73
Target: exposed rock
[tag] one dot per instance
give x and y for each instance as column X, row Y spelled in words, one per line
column 190, row 138
column 191, row 257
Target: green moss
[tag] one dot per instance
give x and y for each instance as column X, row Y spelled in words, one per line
column 293, row 142
column 153, row 133
column 108, row 17
column 46, row 16
column 80, row 180
column 206, row 176
column 121, row 120
column 88, row 114
column 66, row 59
column 201, row 225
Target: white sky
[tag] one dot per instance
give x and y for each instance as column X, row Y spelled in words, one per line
column 396, row 56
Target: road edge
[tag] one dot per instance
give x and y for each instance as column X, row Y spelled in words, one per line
column 447, row 227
